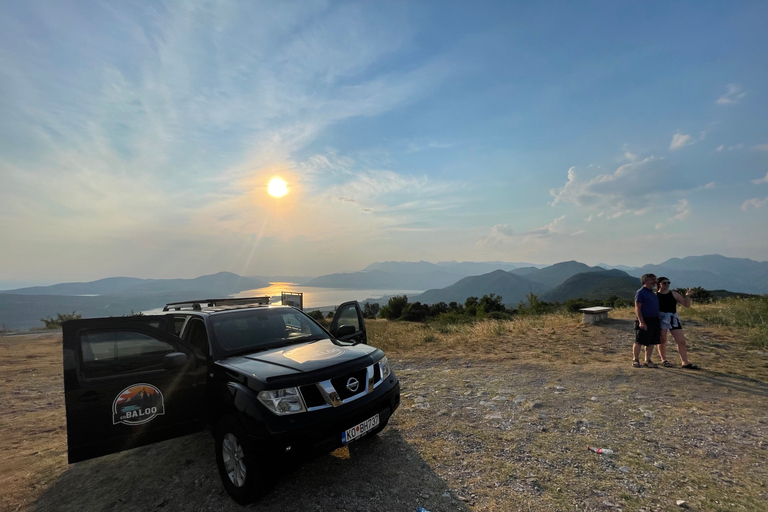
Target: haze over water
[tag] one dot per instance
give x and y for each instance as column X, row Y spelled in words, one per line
column 315, row 297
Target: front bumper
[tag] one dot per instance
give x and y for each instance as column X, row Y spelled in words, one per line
column 318, row 432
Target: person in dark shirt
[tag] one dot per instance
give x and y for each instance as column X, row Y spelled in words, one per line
column 668, row 301
column 647, row 325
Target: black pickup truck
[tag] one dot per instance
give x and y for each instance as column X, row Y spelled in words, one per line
column 272, row 384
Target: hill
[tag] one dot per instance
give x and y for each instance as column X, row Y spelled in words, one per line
column 216, row 284
column 377, row 279
column 594, row 285
column 556, row 274
column 460, row 268
column 712, row 271
column 511, row 287
column 23, row 309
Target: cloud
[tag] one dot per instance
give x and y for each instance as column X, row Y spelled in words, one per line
column 732, row 95
column 761, row 147
column 629, row 188
column 683, row 208
column 680, row 140
column 503, row 234
column 631, row 156
column 414, row 147
column 755, row 203
column 722, row 147
column 761, row 180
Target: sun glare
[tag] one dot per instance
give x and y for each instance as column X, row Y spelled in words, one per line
column 277, row 187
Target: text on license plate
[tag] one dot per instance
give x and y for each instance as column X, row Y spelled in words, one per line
column 359, row 430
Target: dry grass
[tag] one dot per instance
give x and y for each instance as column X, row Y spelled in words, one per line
column 32, row 420
column 500, row 412
column 504, row 411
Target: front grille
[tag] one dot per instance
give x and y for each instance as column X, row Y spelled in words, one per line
column 334, row 392
column 312, row 396
column 340, row 383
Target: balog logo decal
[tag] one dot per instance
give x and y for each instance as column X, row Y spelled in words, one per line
column 137, row 404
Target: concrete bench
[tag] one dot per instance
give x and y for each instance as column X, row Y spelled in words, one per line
column 595, row 314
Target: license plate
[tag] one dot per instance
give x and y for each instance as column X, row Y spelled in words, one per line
column 359, row 430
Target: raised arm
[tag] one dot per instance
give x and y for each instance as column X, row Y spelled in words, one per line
column 685, row 301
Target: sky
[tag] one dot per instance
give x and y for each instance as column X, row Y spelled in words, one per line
column 138, row 138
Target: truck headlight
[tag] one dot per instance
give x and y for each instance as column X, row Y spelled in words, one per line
column 386, row 371
column 283, row 401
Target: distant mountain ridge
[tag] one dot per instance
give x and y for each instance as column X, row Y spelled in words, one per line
column 713, row 272
column 511, row 287
column 378, row 279
column 594, row 285
column 222, row 282
column 553, row 275
column 444, row 282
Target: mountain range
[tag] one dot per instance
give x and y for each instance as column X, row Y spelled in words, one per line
column 444, row 282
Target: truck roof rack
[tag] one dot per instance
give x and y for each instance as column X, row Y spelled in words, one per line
column 197, row 305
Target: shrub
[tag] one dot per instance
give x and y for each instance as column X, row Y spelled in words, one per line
column 371, row 310
column 394, row 308
column 489, row 303
column 317, row 315
column 415, row 312
column 55, row 323
column 499, row 315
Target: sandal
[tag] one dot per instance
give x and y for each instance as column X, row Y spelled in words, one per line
column 635, row 363
column 689, row 366
column 667, row 364
column 650, row 364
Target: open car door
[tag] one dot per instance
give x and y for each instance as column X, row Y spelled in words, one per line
column 128, row 382
column 348, row 323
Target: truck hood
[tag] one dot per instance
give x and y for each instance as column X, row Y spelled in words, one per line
column 300, row 358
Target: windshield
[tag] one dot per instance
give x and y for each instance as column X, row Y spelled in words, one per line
column 256, row 329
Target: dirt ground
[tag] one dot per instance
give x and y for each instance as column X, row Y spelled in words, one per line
column 498, row 422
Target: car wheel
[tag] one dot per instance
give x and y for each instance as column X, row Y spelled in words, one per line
column 241, row 465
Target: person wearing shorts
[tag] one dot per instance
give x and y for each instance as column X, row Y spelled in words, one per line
column 668, row 301
column 647, row 325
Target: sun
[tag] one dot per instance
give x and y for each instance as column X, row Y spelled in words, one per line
column 277, row 187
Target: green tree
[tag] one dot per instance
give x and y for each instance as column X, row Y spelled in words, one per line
column 317, row 315
column 371, row 310
column 490, row 303
column 699, row 294
column 470, row 306
column 395, row 307
column 55, row 323
column 534, row 306
column 415, row 312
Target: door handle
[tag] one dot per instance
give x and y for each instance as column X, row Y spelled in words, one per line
column 90, row 396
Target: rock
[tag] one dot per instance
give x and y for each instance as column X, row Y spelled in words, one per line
column 624, row 469
column 681, row 503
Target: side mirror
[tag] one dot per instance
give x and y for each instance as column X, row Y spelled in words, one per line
column 345, row 330
column 174, row 360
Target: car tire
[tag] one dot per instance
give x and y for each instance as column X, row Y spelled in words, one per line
column 241, row 464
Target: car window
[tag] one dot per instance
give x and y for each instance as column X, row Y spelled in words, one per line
column 111, row 353
column 349, row 317
column 240, row 330
column 178, row 323
column 197, row 335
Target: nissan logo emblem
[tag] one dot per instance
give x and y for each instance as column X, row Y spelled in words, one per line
column 353, row 384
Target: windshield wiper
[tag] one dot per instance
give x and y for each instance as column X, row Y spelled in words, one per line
column 309, row 337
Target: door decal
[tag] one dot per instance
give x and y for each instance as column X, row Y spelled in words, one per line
column 137, row 404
